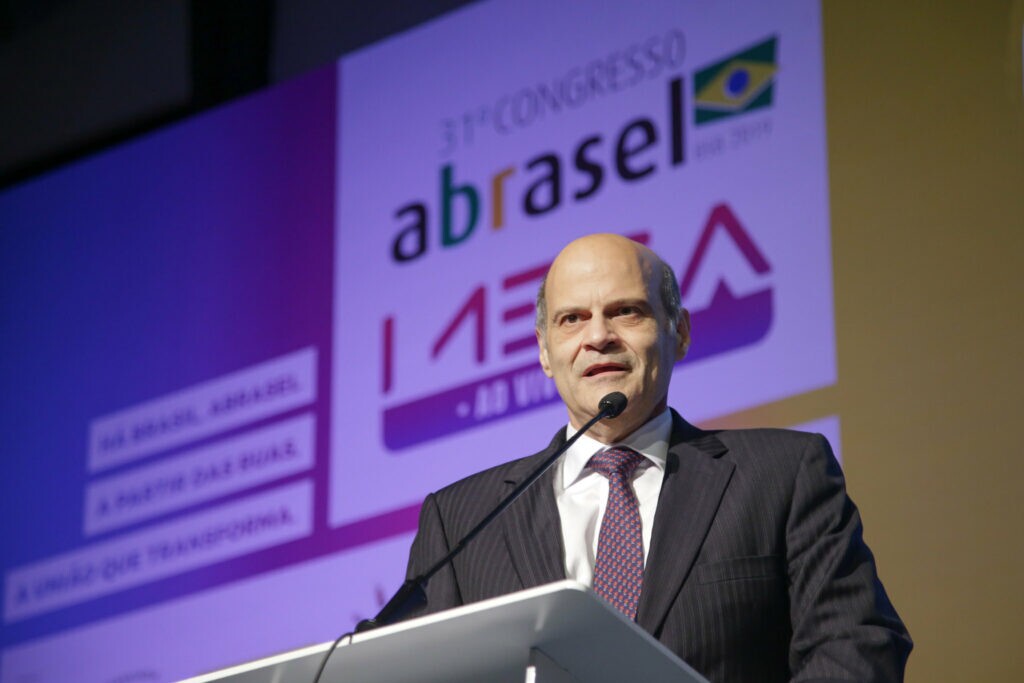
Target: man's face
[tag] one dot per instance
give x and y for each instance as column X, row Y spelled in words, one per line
column 607, row 330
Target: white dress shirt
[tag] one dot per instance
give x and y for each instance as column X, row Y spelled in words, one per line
column 582, row 494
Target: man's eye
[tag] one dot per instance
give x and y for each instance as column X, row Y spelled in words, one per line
column 629, row 310
column 570, row 319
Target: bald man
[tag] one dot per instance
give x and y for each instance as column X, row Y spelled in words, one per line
column 744, row 555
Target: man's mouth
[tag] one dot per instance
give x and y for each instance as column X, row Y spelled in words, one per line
column 603, row 368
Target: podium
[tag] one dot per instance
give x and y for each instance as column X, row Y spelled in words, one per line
column 557, row 633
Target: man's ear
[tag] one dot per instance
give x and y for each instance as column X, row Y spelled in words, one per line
column 682, row 334
column 544, row 363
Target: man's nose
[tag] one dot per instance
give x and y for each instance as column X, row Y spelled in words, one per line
column 599, row 333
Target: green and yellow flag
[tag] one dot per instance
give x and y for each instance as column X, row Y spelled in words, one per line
column 737, row 84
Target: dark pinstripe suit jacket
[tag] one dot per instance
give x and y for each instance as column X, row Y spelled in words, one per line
column 757, row 571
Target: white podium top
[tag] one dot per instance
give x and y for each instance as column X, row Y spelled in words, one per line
column 486, row 641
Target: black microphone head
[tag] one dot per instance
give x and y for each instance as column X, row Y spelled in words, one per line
column 613, row 404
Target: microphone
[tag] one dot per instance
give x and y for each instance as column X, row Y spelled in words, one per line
column 412, row 594
column 613, row 404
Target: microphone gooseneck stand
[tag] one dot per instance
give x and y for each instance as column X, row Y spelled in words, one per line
column 413, row 593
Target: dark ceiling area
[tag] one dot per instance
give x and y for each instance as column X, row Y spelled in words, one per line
column 81, row 75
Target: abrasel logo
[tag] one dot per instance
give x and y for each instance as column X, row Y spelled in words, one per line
column 740, row 83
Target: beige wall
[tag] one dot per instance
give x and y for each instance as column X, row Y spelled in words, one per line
column 926, row 151
column 926, row 155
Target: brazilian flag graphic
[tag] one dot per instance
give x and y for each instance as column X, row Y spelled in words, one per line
column 739, row 83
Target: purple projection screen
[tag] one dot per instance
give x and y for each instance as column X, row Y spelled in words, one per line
column 237, row 353
column 463, row 199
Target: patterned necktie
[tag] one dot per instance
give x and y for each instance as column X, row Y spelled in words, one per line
column 619, row 568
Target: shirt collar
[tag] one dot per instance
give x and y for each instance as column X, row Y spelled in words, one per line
column 650, row 440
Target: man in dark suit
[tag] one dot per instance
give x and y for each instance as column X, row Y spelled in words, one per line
column 739, row 550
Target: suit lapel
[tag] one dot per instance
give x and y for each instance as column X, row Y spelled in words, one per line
column 533, row 530
column 695, row 479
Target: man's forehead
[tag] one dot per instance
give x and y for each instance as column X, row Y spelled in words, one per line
column 583, row 287
column 620, row 262
column 600, row 253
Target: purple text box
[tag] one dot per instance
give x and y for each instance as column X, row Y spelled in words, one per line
column 206, row 473
column 245, row 396
column 254, row 523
